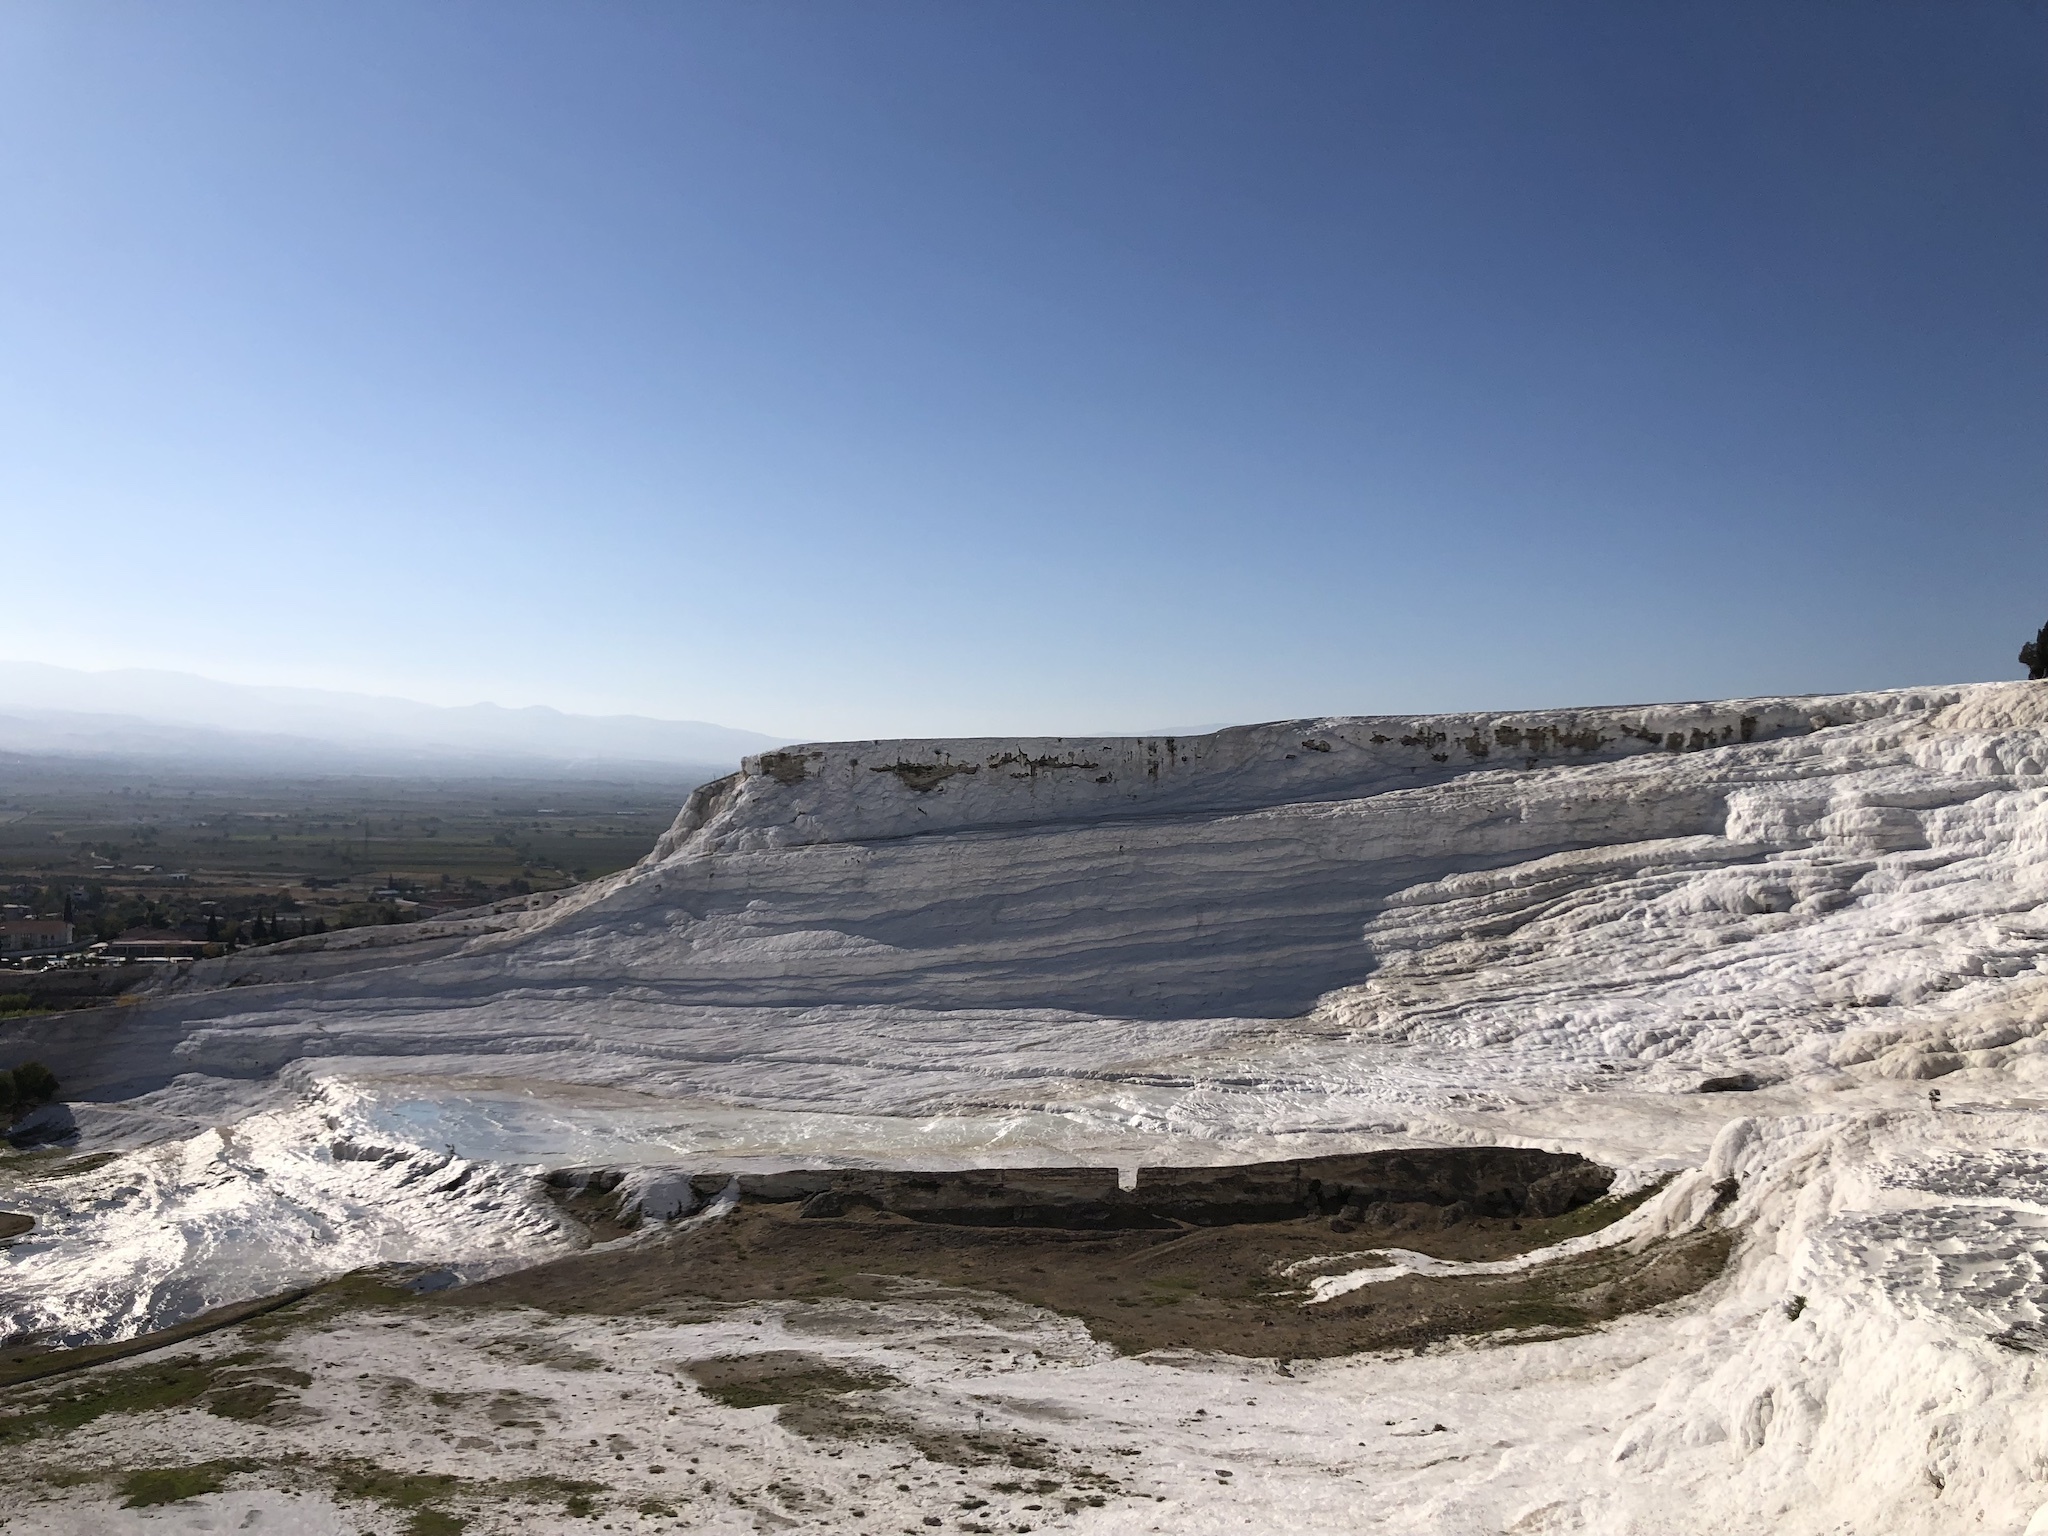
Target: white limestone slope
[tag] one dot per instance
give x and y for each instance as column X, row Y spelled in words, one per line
column 1539, row 927
column 1222, row 875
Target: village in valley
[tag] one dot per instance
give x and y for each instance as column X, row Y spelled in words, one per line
column 110, row 872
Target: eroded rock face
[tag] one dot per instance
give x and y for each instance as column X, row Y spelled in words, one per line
column 867, row 791
column 1466, row 1181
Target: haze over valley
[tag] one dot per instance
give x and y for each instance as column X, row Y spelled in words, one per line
column 173, row 717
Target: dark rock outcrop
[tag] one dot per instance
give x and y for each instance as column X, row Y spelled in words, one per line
column 1445, row 1183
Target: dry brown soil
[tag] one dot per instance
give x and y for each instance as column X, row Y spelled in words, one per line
column 1209, row 1288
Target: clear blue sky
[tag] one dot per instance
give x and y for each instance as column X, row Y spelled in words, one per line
column 866, row 368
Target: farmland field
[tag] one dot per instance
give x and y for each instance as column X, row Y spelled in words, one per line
column 187, row 852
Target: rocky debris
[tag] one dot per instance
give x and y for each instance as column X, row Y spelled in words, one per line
column 1736, row 1082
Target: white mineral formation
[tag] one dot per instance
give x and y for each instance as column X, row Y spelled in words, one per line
column 1545, row 928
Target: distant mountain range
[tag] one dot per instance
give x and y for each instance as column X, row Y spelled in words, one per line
column 139, row 713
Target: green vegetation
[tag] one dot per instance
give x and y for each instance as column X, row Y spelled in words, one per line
column 167, row 1485
column 1534, row 1315
column 779, row 1376
column 246, row 1386
column 171, row 1384
column 365, row 1480
column 423, row 1494
column 421, row 1497
column 262, row 1396
column 26, row 1087
column 1604, row 1212
column 51, row 1163
column 577, row 1498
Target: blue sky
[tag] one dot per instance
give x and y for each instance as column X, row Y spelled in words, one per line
column 919, row 368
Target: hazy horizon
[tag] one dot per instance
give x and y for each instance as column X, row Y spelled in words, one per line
column 252, row 714
column 149, row 714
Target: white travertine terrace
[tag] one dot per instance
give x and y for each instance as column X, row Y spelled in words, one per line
column 1540, row 927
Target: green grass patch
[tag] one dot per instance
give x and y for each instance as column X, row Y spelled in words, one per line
column 141, row 1390
column 168, row 1485
column 1604, row 1212
column 51, row 1163
column 1520, row 1316
column 240, row 1386
column 365, row 1480
column 577, row 1497
column 69, row 1477
column 421, row 1494
column 778, row 1376
column 351, row 1293
column 258, row 1397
